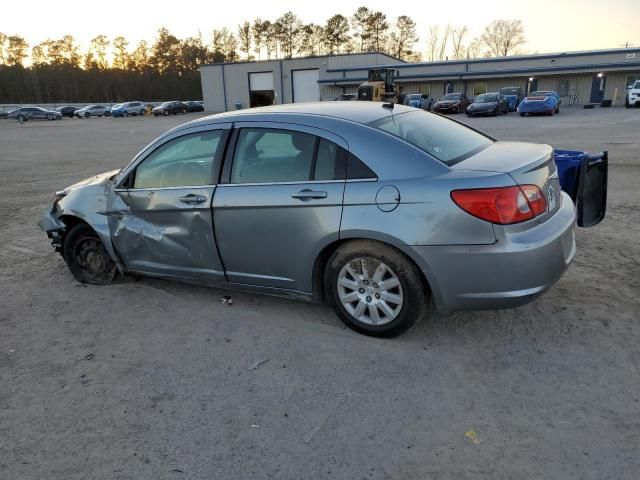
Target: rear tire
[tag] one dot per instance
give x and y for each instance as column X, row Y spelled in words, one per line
column 87, row 115
column 166, row 113
column 125, row 114
column 375, row 289
column 522, row 114
column 86, row 256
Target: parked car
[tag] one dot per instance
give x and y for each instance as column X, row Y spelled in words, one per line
column 301, row 200
column 632, row 97
column 24, row 114
column 67, row 111
column 492, row 103
column 346, row 97
column 168, row 108
column 513, row 95
column 93, row 111
column 538, row 103
column 194, row 106
column 552, row 93
column 128, row 108
column 452, row 103
column 419, row 100
column 4, row 114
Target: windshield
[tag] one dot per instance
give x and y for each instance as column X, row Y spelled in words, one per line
column 446, row 140
column 637, row 84
column 509, row 91
column 414, row 96
column 165, row 104
column 452, row 96
column 486, row 98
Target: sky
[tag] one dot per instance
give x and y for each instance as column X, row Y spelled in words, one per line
column 550, row 26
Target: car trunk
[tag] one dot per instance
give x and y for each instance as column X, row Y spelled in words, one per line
column 526, row 163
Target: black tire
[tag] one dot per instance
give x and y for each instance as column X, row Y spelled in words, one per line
column 165, row 113
column 184, row 111
column 21, row 118
column 125, row 114
column 522, row 114
column 142, row 112
column 86, row 257
column 414, row 294
column 87, row 115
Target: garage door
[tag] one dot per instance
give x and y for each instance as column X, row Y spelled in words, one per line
column 305, row 85
column 261, row 81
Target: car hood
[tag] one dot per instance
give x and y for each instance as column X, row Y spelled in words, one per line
column 90, row 181
column 446, row 103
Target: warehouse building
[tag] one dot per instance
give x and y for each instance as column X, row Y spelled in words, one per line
column 579, row 77
column 227, row 86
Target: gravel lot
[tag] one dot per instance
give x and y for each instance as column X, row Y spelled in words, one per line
column 152, row 380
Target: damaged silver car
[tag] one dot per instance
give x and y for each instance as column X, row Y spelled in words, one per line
column 376, row 209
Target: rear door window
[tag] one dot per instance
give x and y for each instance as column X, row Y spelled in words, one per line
column 272, row 155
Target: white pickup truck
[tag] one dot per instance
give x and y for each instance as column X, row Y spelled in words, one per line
column 633, row 95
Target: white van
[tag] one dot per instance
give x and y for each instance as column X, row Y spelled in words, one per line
column 633, row 95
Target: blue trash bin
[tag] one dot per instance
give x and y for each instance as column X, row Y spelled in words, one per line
column 583, row 177
column 569, row 163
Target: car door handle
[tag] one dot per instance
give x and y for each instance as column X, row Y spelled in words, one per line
column 307, row 194
column 191, row 198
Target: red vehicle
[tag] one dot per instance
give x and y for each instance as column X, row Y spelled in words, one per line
column 452, row 103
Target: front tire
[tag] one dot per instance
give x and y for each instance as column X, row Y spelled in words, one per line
column 522, row 114
column 86, row 256
column 375, row 289
column 166, row 113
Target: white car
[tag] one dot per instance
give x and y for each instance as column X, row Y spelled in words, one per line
column 633, row 95
column 93, row 111
column 128, row 108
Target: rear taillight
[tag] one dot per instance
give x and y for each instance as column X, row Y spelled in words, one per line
column 503, row 205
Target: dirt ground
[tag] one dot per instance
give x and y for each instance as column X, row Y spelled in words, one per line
column 153, row 380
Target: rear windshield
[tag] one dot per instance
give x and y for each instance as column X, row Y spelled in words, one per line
column 446, row 140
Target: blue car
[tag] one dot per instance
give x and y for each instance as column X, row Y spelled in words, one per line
column 539, row 103
column 513, row 95
column 419, row 100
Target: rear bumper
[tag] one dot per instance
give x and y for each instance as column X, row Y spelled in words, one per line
column 520, row 266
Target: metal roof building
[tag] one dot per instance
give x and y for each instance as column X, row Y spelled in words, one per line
column 579, row 77
column 267, row 82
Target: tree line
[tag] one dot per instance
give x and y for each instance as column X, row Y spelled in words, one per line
column 114, row 70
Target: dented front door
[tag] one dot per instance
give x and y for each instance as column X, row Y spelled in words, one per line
column 161, row 222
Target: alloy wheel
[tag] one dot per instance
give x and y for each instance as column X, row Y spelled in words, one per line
column 370, row 291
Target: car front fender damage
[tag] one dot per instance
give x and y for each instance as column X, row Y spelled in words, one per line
column 86, row 203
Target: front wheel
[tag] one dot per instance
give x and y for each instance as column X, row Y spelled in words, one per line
column 125, row 114
column 522, row 114
column 86, row 256
column 166, row 113
column 375, row 289
column 87, row 115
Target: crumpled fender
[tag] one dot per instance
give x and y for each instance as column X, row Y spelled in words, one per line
column 88, row 201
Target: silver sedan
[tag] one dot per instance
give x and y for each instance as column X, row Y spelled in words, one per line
column 376, row 210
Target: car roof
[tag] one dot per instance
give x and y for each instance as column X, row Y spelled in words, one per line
column 362, row 112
